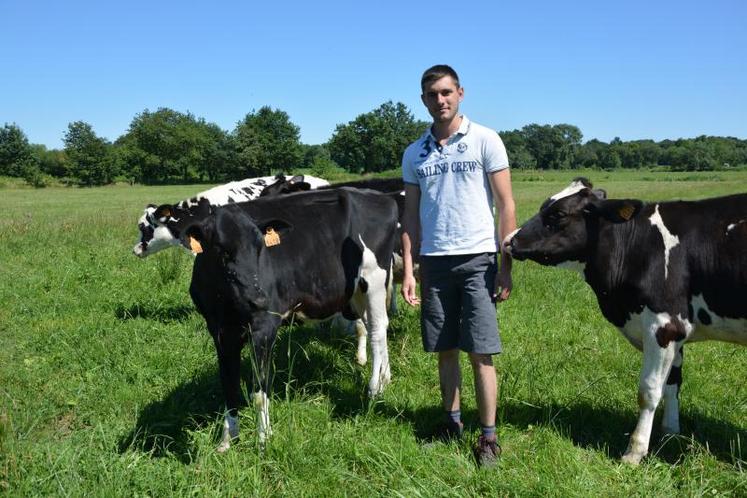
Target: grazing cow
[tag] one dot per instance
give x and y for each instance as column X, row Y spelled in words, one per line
column 160, row 226
column 664, row 273
column 313, row 254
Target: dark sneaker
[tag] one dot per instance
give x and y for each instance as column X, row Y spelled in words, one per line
column 487, row 452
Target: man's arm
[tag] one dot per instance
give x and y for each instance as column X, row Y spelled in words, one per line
column 410, row 242
column 503, row 196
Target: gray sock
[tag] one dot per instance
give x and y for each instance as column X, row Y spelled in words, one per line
column 489, row 433
column 455, row 416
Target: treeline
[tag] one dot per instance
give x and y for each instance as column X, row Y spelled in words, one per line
column 167, row 146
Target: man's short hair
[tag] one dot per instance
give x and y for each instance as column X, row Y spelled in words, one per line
column 437, row 72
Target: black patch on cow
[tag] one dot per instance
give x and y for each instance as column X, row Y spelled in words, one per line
column 690, row 312
column 348, row 313
column 231, row 199
column 675, row 376
column 363, row 285
column 704, row 317
column 672, row 331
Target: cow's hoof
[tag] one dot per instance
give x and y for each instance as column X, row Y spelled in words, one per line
column 361, row 360
column 631, row 458
column 223, row 447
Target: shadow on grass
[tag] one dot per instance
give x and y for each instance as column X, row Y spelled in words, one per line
column 163, row 426
column 149, row 311
column 317, row 360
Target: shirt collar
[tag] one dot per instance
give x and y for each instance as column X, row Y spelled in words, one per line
column 463, row 129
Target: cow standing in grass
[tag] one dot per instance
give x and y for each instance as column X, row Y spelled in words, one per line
column 312, row 254
column 664, row 273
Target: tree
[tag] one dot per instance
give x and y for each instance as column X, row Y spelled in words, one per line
column 376, row 140
column 15, row 152
column 267, row 142
column 89, row 155
column 169, row 146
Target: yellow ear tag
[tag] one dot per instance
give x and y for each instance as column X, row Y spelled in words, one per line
column 195, row 245
column 626, row 212
column 272, row 238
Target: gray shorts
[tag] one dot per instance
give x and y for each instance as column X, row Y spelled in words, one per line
column 457, row 310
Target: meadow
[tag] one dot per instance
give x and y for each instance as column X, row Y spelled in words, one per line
column 109, row 385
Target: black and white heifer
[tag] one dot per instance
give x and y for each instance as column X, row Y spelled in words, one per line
column 160, row 226
column 664, row 273
column 313, row 254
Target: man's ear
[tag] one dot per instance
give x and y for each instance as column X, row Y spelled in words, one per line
column 616, row 210
column 199, row 235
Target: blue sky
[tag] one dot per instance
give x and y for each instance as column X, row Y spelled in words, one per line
column 635, row 69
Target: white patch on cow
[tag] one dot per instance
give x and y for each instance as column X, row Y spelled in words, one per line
column 571, row 189
column 262, row 404
column 507, row 241
column 721, row 328
column 371, row 306
column 670, row 241
column 230, row 432
column 732, row 226
column 576, row 266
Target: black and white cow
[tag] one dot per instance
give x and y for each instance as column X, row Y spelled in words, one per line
column 664, row 273
column 313, row 254
column 160, row 226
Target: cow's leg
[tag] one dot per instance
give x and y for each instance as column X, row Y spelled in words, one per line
column 263, row 339
column 360, row 333
column 376, row 322
column 658, row 356
column 670, row 422
column 228, row 347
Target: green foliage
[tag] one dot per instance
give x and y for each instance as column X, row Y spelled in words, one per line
column 267, row 142
column 90, row 156
column 16, row 155
column 375, row 141
column 167, row 146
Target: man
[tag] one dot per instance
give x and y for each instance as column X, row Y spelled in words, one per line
column 453, row 176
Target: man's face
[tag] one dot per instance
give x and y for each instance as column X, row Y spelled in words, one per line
column 442, row 98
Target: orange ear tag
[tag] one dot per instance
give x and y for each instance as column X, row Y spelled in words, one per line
column 626, row 212
column 272, row 238
column 195, row 245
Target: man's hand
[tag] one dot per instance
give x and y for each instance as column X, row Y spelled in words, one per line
column 409, row 291
column 503, row 285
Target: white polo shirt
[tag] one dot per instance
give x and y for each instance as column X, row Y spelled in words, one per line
column 456, row 201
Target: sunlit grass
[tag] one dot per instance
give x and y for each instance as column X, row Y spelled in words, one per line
column 109, row 386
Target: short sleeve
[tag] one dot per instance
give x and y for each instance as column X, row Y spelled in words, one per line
column 494, row 153
column 408, row 174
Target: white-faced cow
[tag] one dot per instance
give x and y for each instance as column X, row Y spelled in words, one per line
column 313, row 254
column 664, row 273
column 160, row 226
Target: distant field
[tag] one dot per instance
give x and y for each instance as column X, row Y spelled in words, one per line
column 109, row 387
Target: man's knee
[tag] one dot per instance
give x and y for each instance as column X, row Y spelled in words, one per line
column 480, row 359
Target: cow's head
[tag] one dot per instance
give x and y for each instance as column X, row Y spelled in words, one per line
column 286, row 186
column 154, row 231
column 566, row 223
column 236, row 241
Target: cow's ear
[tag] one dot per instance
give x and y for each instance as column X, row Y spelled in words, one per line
column 163, row 212
column 274, row 230
column 197, row 236
column 617, row 210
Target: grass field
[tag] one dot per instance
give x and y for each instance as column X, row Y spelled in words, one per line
column 109, row 386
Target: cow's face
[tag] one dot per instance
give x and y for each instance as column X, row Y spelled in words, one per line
column 566, row 223
column 236, row 241
column 154, row 232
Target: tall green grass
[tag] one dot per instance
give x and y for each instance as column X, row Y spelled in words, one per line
column 109, row 386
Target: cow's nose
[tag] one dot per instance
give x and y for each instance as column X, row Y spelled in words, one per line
column 508, row 241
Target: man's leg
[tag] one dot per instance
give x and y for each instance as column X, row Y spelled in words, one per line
column 450, row 378
column 485, row 387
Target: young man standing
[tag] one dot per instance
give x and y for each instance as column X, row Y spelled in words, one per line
column 453, row 176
